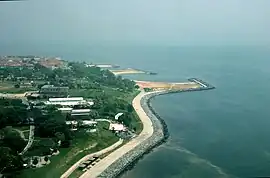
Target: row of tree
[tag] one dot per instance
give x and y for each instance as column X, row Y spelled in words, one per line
column 50, row 127
column 12, row 112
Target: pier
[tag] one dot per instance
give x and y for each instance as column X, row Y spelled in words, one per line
column 204, row 85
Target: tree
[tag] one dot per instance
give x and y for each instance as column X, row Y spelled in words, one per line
column 60, row 136
column 94, row 114
column 129, row 108
column 65, row 144
column 46, row 144
column 13, row 140
column 46, row 159
column 12, row 112
column 17, row 85
column 40, row 85
column 9, row 161
column 35, row 161
column 126, row 119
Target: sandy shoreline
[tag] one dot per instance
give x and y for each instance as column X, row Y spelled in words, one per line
column 146, row 133
column 154, row 133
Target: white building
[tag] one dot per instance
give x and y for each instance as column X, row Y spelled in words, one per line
column 75, row 112
column 117, row 127
column 73, row 101
column 80, row 112
column 86, row 123
column 65, row 110
column 73, row 125
column 89, row 123
column 118, row 115
column 71, row 122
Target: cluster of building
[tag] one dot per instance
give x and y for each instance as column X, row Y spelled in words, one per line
column 47, row 91
column 66, row 105
column 29, row 61
column 84, row 123
column 69, row 105
column 76, row 107
column 53, row 91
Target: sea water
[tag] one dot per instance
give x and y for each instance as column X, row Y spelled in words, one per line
column 216, row 133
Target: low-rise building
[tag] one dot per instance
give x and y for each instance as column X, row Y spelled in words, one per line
column 80, row 112
column 117, row 127
column 53, row 91
column 69, row 102
column 85, row 123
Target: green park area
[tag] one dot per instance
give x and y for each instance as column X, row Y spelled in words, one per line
column 84, row 143
column 111, row 95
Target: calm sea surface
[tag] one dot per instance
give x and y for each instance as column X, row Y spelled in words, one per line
column 219, row 133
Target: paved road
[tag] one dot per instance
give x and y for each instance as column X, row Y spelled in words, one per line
column 147, row 131
column 12, row 96
column 103, row 120
column 32, row 128
column 30, row 140
column 99, row 153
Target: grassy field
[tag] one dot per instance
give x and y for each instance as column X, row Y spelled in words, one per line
column 26, row 134
column 102, row 139
column 23, row 130
column 135, row 122
column 127, row 96
column 13, row 90
column 68, row 156
column 8, row 87
column 91, row 93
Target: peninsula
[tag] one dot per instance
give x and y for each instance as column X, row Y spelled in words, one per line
column 77, row 119
column 154, row 128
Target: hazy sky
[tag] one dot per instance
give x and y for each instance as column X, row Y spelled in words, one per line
column 176, row 22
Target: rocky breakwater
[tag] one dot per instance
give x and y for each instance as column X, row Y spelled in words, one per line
column 159, row 136
column 160, row 132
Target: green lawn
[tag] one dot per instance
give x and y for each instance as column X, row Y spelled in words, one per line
column 8, row 87
column 26, row 134
column 68, row 156
column 127, row 96
column 13, row 90
column 104, row 138
column 135, row 122
column 95, row 92
column 21, row 128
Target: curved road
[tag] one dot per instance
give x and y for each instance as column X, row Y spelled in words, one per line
column 30, row 140
column 101, row 152
column 147, row 131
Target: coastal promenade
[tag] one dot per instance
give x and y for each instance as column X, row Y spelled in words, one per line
column 85, row 158
column 146, row 133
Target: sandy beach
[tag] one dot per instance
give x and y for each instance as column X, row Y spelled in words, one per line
column 144, row 136
column 147, row 131
column 166, row 85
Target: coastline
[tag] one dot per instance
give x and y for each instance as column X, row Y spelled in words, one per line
column 86, row 157
column 160, row 136
column 154, row 133
column 119, row 160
